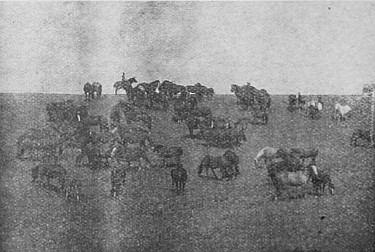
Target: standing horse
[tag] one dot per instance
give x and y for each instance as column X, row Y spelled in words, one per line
column 97, row 89
column 121, row 153
column 179, row 177
column 342, row 112
column 126, row 85
column 320, row 180
column 89, row 91
column 224, row 163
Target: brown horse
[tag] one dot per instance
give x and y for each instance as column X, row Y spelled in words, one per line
column 227, row 164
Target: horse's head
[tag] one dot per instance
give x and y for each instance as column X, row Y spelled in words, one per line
column 132, row 80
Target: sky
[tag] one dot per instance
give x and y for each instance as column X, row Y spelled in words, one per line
column 283, row 47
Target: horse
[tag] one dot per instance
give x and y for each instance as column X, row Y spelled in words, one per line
column 169, row 89
column 40, row 144
column 320, row 180
column 286, row 163
column 150, row 88
column 169, row 152
column 223, row 137
column 224, row 163
column 45, row 172
column 88, row 90
column 134, row 134
column 313, row 108
column 158, row 100
column 97, row 89
column 342, row 112
column 266, row 153
column 259, row 116
column 286, row 178
column 121, row 153
column 179, row 177
column 126, row 85
column 96, row 120
column 118, row 177
column 248, row 96
column 363, row 135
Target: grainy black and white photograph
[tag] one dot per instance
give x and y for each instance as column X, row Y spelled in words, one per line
column 187, row 126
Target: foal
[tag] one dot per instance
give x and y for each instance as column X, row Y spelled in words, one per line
column 179, row 177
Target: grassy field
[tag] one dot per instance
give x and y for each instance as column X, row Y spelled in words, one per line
column 236, row 215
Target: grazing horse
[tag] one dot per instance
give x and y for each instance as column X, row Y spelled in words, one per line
column 117, row 181
column 126, row 85
column 342, row 112
column 134, row 135
column 225, row 163
column 97, row 89
column 88, row 90
column 224, row 137
column 266, row 153
column 179, row 177
column 363, row 135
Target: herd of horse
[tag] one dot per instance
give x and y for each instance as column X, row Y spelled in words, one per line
column 121, row 142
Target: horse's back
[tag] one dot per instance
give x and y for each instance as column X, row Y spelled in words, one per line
column 297, row 178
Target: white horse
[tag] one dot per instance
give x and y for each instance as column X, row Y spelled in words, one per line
column 315, row 104
column 342, row 112
column 266, row 153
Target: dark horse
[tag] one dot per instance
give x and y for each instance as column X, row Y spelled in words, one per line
column 179, row 177
column 126, row 85
column 88, row 90
column 225, row 163
column 97, row 89
column 46, row 172
column 364, row 135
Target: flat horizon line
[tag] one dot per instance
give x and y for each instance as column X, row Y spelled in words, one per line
column 22, row 93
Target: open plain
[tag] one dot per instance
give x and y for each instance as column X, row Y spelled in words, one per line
column 211, row 215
